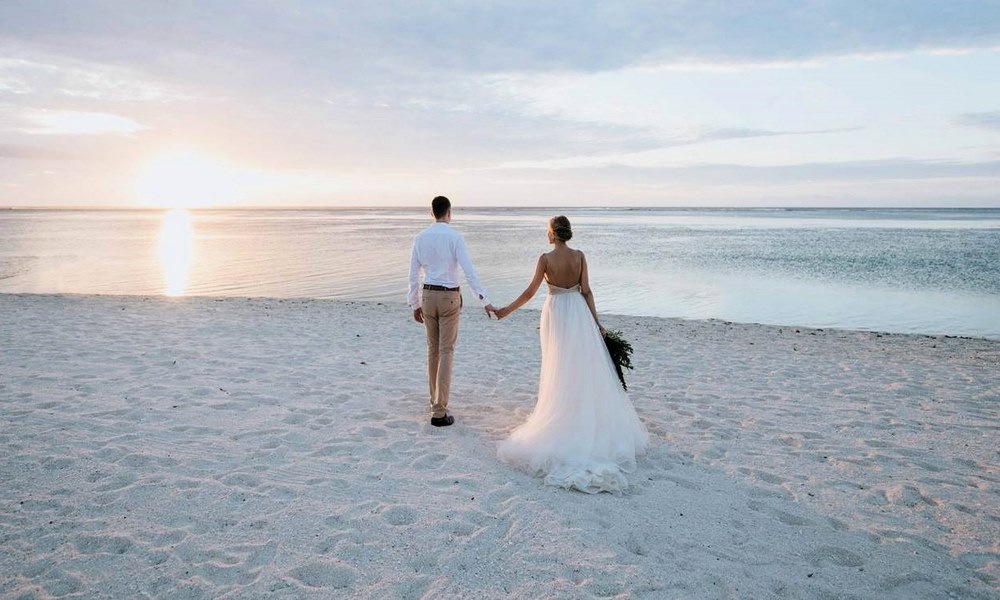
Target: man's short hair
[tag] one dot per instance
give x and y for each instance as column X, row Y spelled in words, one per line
column 440, row 206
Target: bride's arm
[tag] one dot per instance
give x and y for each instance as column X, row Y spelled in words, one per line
column 528, row 293
column 588, row 294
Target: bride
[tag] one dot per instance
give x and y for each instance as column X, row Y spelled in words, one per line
column 584, row 433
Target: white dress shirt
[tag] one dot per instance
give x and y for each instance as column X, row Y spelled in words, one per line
column 438, row 252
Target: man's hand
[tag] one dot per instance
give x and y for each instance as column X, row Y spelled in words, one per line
column 418, row 314
column 490, row 310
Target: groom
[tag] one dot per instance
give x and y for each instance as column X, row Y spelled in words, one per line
column 438, row 252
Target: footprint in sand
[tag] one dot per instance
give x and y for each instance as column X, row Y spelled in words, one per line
column 369, row 431
column 241, row 480
column 99, row 544
column 907, row 495
column 329, row 543
column 230, row 405
column 38, row 567
column 763, row 476
column 136, row 460
column 295, row 419
column 258, row 555
column 636, row 544
column 400, row 514
column 56, row 464
column 461, row 528
column 835, row 556
column 401, row 424
column 414, row 588
column 789, row 519
column 430, row 461
column 336, row 449
column 168, row 538
column 281, row 493
column 221, row 575
column 62, row 584
column 325, row 575
column 116, row 483
column 684, row 483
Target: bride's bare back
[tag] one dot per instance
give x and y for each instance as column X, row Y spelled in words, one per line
column 563, row 266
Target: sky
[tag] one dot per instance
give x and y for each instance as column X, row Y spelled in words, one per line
column 125, row 103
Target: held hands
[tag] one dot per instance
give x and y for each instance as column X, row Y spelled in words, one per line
column 499, row 313
column 418, row 313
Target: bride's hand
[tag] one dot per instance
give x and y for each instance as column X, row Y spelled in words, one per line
column 603, row 330
column 503, row 312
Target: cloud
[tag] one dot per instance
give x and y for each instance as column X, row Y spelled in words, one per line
column 981, row 120
column 732, row 133
column 28, row 73
column 371, row 39
column 46, row 122
column 731, row 174
column 31, row 152
column 654, row 140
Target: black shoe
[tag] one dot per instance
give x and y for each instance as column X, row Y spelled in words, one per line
column 442, row 421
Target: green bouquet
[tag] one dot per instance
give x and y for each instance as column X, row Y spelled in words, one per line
column 620, row 351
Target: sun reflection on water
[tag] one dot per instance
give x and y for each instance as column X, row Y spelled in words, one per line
column 176, row 250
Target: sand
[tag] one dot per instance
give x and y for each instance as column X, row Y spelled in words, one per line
column 235, row 448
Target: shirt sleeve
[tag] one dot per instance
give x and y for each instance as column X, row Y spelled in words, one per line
column 470, row 272
column 413, row 297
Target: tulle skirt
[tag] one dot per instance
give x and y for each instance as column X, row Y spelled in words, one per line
column 584, row 433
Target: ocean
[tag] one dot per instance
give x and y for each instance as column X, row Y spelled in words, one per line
column 933, row 271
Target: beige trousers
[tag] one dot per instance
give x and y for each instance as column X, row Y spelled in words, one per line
column 441, row 313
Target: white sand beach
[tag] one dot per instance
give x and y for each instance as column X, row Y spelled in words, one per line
column 246, row 448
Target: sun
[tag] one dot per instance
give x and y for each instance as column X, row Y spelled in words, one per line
column 181, row 178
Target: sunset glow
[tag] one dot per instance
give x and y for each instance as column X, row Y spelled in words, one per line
column 187, row 179
column 176, row 251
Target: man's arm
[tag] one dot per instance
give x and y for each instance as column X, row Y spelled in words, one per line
column 413, row 297
column 465, row 262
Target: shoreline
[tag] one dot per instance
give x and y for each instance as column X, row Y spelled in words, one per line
column 403, row 307
column 253, row 447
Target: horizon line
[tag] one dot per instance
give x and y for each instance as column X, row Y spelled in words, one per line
column 487, row 207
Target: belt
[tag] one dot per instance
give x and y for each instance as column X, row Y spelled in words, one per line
column 439, row 288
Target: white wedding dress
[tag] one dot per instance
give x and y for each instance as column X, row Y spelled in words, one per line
column 584, row 433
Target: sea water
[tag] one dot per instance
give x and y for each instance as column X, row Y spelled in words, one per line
column 934, row 271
